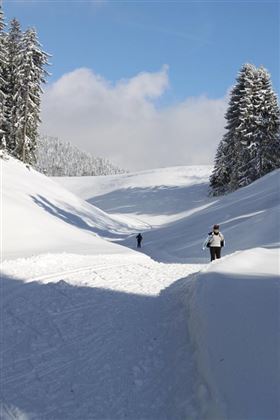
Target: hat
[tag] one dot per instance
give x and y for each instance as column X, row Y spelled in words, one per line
column 216, row 227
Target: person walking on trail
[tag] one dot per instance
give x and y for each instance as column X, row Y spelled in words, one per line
column 215, row 241
column 139, row 238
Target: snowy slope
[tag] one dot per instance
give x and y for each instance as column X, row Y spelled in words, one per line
column 248, row 218
column 175, row 199
column 41, row 216
column 154, row 196
column 92, row 329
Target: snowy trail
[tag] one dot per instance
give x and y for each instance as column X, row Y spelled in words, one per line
column 105, row 339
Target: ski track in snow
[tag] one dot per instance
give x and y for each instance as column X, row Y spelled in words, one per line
column 98, row 337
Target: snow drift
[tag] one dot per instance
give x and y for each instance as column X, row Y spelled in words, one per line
column 234, row 323
column 38, row 215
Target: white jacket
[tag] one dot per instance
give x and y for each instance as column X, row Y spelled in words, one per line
column 214, row 240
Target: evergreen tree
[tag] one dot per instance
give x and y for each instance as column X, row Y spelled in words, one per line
column 31, row 75
column 264, row 146
column 3, row 84
column 14, row 58
column 230, row 147
column 258, row 132
column 220, row 177
column 251, row 146
column 59, row 158
column 243, row 132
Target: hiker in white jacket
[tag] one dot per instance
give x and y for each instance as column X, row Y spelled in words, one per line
column 215, row 241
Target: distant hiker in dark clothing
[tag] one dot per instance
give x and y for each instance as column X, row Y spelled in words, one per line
column 215, row 241
column 139, row 238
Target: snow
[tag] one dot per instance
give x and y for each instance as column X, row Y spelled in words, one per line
column 182, row 215
column 98, row 341
column 138, row 195
column 234, row 323
column 93, row 329
column 56, row 157
column 54, row 219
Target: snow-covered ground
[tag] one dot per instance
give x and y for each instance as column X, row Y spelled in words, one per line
column 38, row 216
column 183, row 213
column 102, row 340
column 153, row 197
column 234, row 308
column 92, row 329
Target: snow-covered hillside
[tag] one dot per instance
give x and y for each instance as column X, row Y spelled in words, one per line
column 41, row 216
column 248, row 218
column 154, row 196
column 175, row 202
column 93, row 329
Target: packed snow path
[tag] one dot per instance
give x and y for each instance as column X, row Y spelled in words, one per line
column 96, row 337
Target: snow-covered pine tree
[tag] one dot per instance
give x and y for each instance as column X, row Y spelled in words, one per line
column 3, row 85
column 59, row 158
column 32, row 74
column 223, row 177
column 243, row 133
column 264, row 144
column 251, row 146
column 258, row 132
column 220, row 177
column 14, row 58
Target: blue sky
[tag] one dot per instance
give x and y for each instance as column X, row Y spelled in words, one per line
column 145, row 83
column 203, row 42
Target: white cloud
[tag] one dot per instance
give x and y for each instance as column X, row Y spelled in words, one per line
column 123, row 123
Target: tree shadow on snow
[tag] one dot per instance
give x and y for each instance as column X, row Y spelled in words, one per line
column 72, row 217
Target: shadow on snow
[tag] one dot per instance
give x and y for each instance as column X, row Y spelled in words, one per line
column 146, row 200
column 73, row 218
column 84, row 352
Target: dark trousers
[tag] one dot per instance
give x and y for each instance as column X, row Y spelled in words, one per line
column 215, row 252
column 138, row 244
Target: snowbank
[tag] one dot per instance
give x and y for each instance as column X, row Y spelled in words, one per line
column 39, row 215
column 234, row 323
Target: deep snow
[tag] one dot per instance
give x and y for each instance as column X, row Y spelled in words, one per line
column 99, row 342
column 152, row 197
column 249, row 217
column 233, row 304
column 234, row 308
column 89, row 329
column 38, row 216
column 92, row 329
